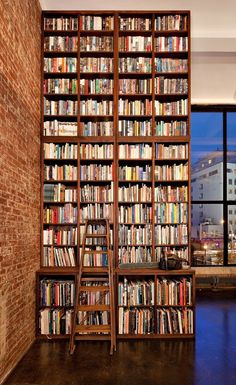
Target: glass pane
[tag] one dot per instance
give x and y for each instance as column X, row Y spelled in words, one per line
column 207, row 234
column 207, row 155
column 231, row 155
column 232, row 234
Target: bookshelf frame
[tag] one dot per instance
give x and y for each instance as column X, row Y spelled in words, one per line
column 115, row 138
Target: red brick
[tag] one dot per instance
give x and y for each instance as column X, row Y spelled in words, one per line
column 20, row 50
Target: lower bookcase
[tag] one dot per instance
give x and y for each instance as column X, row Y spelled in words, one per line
column 55, row 302
column 150, row 303
column 156, row 304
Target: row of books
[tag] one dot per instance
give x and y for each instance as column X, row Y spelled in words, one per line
column 179, row 107
column 58, row 256
column 134, row 128
column 135, row 86
column 136, row 292
column 171, row 212
column 96, row 43
column 135, row 193
column 90, row 193
column 96, row 86
column 64, row 214
column 95, row 107
column 132, row 254
column 135, row 235
column 93, row 318
column 97, row 128
column 60, row 151
column 174, row 321
column 174, row 292
column 171, row 194
column 135, row 43
column 135, row 64
column 135, row 213
column 135, row 23
column 55, row 321
column 105, row 107
column 173, row 128
column 60, row 64
column 104, row 64
column 126, row 86
column 59, row 193
column 171, row 151
column 61, row 43
column 135, row 321
column 171, row 44
column 60, row 237
column 135, row 151
column 60, row 107
column 97, row 211
column 96, row 151
column 171, row 23
column 171, row 85
column 60, row 86
column 95, row 172
column 171, row 235
column 170, row 65
column 171, row 172
column 125, row 128
column 96, row 23
column 135, row 107
column 58, row 128
column 96, row 64
column 181, row 251
column 60, row 23
column 56, row 172
column 106, row 23
column 94, row 297
column 96, row 230
column 128, row 173
column 96, row 260
column 55, row 292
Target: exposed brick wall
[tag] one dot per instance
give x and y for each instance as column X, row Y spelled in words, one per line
column 20, row 50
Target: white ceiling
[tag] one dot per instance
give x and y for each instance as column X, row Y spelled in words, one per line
column 213, row 31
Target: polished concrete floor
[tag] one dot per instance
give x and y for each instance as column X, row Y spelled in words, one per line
column 210, row 359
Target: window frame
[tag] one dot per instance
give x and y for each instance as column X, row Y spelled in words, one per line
column 224, row 109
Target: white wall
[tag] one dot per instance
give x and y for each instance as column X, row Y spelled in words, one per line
column 213, row 40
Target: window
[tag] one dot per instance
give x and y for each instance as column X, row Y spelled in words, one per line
column 213, row 143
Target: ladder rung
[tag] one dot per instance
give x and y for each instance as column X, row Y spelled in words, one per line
column 94, row 288
column 94, row 279
column 95, row 251
column 93, row 328
column 96, row 235
column 95, row 221
column 95, row 269
column 94, row 308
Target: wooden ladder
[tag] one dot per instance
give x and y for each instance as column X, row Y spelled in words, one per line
column 96, row 274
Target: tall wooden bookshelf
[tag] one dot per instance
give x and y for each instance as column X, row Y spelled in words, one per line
column 115, row 144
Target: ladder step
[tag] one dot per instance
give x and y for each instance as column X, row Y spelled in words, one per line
column 94, row 269
column 93, row 328
column 94, row 279
column 95, row 251
column 96, row 221
column 94, row 288
column 96, row 235
column 94, row 308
